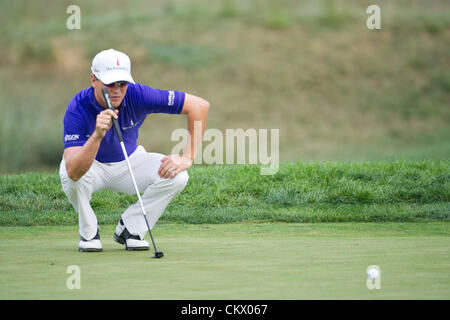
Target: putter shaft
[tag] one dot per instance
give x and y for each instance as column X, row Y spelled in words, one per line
column 137, row 192
column 119, row 135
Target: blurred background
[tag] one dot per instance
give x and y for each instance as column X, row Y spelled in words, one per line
column 312, row 69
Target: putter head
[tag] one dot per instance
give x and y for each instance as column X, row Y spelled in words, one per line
column 158, row 255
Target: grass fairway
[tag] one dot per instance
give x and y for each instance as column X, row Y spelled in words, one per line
column 233, row 261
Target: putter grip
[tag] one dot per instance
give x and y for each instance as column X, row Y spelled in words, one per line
column 115, row 123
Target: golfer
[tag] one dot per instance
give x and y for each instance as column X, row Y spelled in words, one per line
column 93, row 159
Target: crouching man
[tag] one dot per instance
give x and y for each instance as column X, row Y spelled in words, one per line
column 93, row 159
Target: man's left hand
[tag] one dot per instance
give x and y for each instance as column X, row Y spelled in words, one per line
column 173, row 164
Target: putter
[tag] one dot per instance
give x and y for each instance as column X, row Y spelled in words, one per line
column 158, row 254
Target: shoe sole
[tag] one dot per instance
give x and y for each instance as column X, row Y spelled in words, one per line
column 136, row 248
column 89, row 250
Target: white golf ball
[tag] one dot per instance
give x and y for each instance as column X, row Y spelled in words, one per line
column 373, row 273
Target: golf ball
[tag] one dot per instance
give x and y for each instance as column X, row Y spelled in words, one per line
column 373, row 273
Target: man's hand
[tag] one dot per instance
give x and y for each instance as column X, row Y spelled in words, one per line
column 196, row 109
column 104, row 122
column 173, row 164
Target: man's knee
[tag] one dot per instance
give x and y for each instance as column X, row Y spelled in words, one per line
column 180, row 180
column 69, row 185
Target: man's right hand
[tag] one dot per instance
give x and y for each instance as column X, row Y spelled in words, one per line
column 104, row 122
column 79, row 159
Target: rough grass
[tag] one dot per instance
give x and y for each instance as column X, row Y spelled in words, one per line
column 298, row 192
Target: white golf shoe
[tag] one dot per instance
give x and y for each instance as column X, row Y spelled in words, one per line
column 131, row 242
column 93, row 245
column 136, row 244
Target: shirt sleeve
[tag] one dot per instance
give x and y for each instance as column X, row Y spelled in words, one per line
column 75, row 130
column 153, row 100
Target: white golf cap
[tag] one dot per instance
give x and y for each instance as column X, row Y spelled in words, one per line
column 111, row 65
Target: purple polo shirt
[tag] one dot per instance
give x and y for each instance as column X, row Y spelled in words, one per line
column 140, row 100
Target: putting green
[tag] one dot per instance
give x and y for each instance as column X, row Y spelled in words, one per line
column 233, row 261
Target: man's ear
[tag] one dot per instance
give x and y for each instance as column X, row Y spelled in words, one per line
column 92, row 80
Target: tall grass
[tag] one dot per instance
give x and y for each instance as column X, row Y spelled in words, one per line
column 28, row 140
column 29, row 137
column 299, row 192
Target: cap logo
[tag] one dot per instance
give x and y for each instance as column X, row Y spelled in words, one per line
column 117, row 61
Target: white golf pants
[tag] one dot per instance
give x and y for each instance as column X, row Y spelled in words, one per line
column 157, row 191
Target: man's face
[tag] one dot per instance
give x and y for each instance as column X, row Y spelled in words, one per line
column 116, row 92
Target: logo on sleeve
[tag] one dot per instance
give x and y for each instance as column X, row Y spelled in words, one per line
column 171, row 98
column 71, row 137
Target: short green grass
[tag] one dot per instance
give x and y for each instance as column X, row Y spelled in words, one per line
column 233, row 261
column 299, row 192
